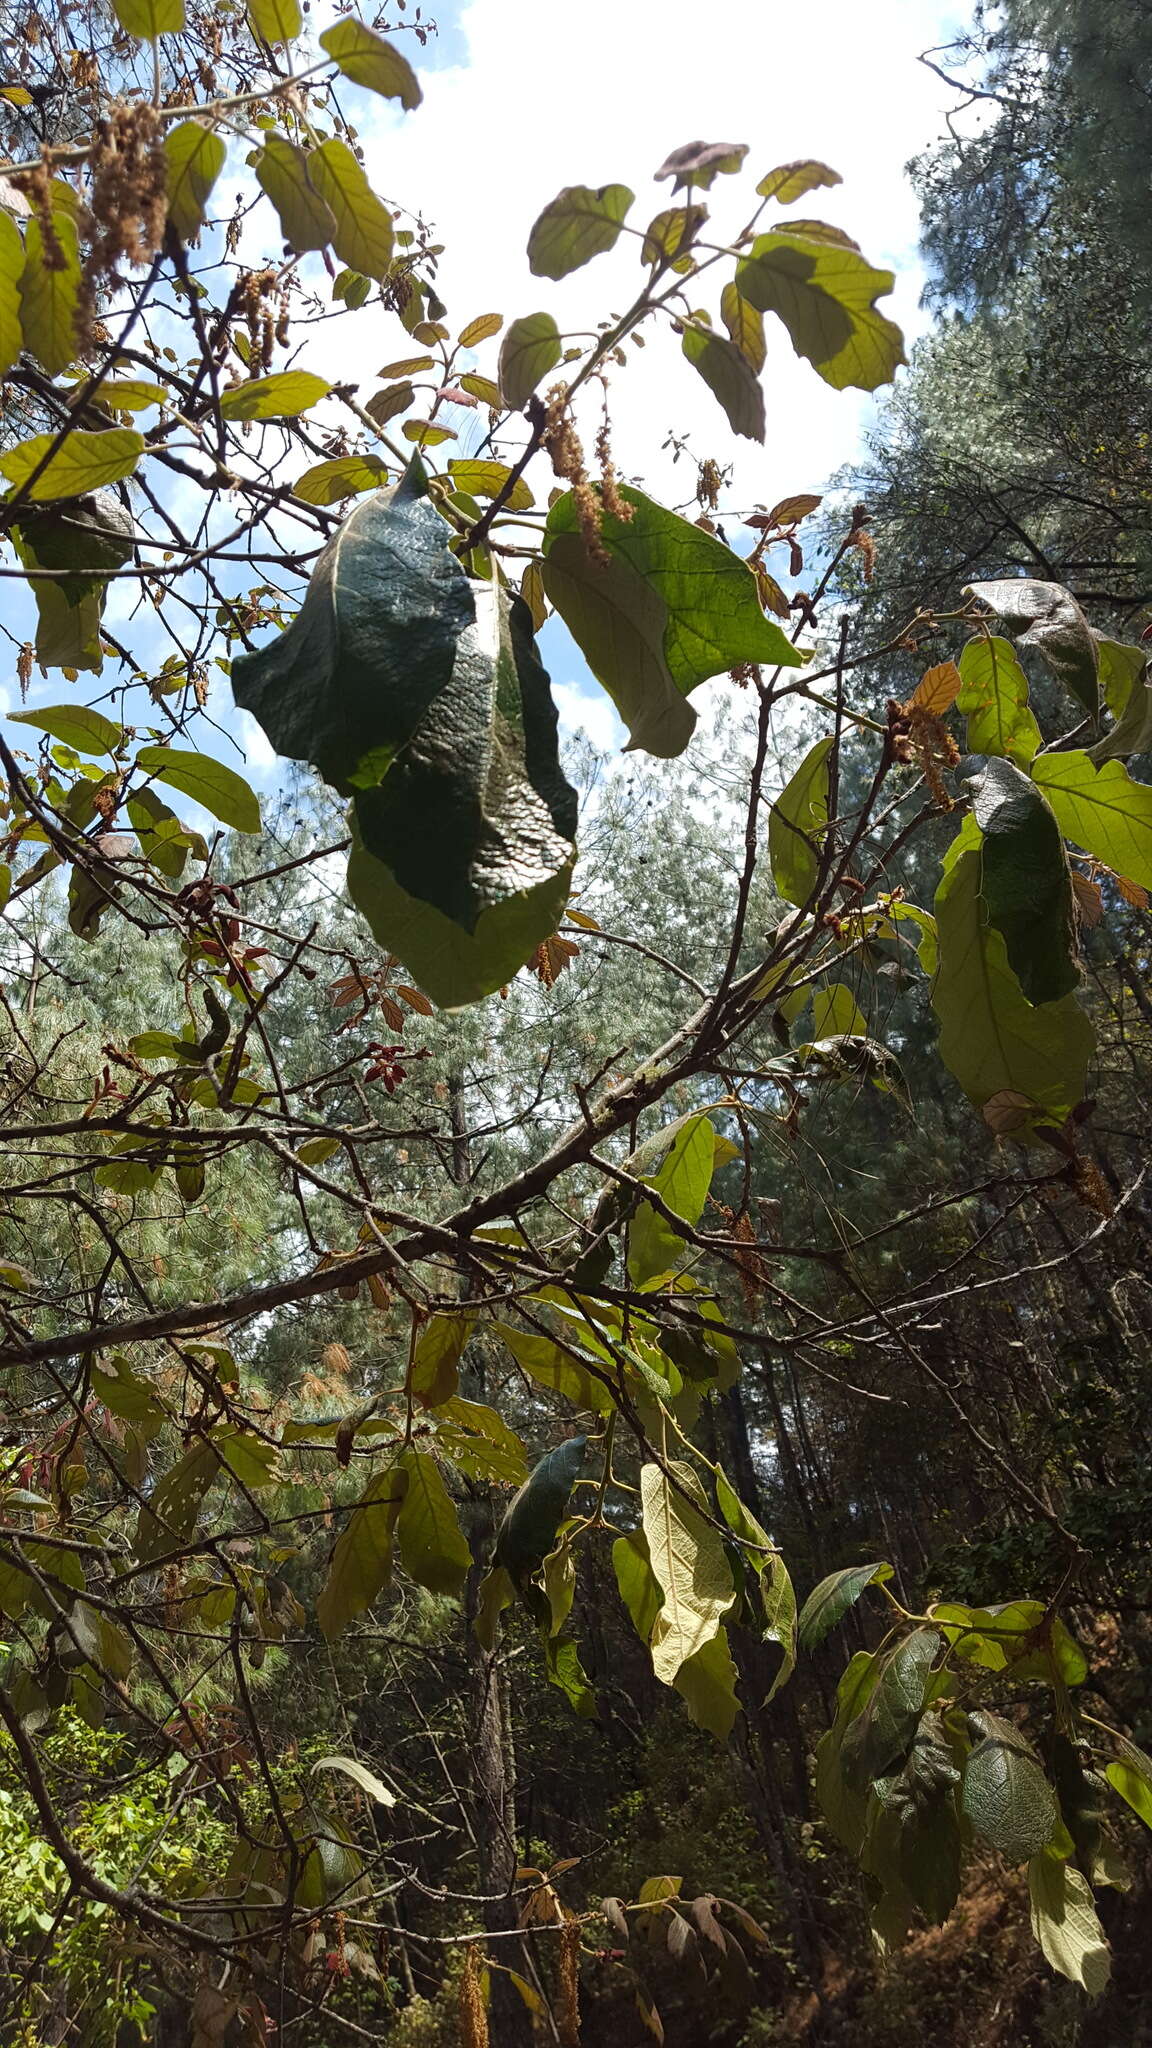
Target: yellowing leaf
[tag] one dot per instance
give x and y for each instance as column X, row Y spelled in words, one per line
column 938, row 687
column 368, row 60
column 825, row 292
column 1103, row 809
column 688, row 1561
column 11, row 271
column 745, row 324
column 82, row 463
column 480, row 329
column 994, row 700
column 1066, row 1924
column 196, row 157
column 275, row 21
column 790, row 181
column 342, row 477
column 363, row 237
column 49, row 296
column 283, row 396
column 432, row 1544
column 150, row 18
column 361, row 1563
column 487, row 480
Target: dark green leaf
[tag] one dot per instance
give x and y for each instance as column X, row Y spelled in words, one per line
column 1045, row 616
column 671, row 607
column 528, row 1531
column 1005, row 1794
column 828, row 1602
column 991, row 1038
column 1024, row 881
column 878, row 1737
column 168, row 1519
column 578, row 224
column 93, row 534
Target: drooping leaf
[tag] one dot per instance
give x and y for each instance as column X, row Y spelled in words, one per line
column 127, row 1396
column 730, row 377
column 361, row 1776
column 218, row 788
column 1103, row 809
column 361, row 1562
column 363, row 236
column 825, row 292
column 462, row 857
column 275, row 21
column 1134, row 1786
column 1066, row 1924
column 1024, row 880
column 994, row 699
column 369, row 60
column 343, row 476
column 687, row 1558
column 682, row 1182
column 797, row 823
column 829, row 1602
column 745, row 324
column 566, row 1672
column 164, row 840
column 306, row 220
column 168, row 1518
column 527, row 1533
column 1126, row 690
column 844, row 1809
column 991, row 1038
column 672, row 607
column 1047, row 617
column 530, row 349
column 434, row 1377
column 432, row 1544
column 82, row 463
column 373, row 646
column 196, row 157
column 505, row 1458
column 880, row 1734
column 706, row 1683
column 283, row 396
column 575, row 226
column 50, row 292
column 1005, row 1794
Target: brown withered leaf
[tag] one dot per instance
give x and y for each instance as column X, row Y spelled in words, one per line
column 1132, row 893
column 551, row 958
column 938, row 688
column 1089, row 899
column 771, row 596
column 1007, row 1110
column 699, row 162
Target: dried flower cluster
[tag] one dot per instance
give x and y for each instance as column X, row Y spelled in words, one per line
column 127, row 205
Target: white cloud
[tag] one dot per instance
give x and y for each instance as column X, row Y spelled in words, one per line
column 594, row 715
column 550, row 98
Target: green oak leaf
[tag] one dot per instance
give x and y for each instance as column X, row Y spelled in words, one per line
column 1103, row 809
column 575, row 226
column 671, row 607
column 994, row 700
column 825, row 292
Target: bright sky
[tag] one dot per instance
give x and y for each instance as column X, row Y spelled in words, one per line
column 522, row 98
